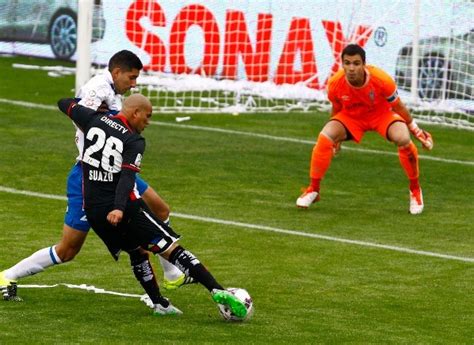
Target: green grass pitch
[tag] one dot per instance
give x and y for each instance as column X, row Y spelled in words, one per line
column 306, row 290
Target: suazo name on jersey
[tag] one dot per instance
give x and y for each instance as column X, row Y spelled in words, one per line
column 97, row 175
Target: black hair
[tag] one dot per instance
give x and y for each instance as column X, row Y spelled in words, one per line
column 125, row 60
column 353, row 49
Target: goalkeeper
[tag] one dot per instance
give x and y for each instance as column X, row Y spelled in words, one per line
column 364, row 98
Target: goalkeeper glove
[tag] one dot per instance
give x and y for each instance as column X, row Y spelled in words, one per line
column 423, row 136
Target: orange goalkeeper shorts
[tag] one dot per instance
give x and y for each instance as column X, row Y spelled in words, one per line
column 378, row 122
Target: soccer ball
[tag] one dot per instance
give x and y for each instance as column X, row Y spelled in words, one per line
column 242, row 295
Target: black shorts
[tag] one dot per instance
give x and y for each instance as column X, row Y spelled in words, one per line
column 138, row 228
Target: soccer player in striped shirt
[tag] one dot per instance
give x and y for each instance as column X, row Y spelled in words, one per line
column 364, row 98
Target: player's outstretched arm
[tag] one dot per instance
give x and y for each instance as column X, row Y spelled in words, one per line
column 79, row 114
column 64, row 104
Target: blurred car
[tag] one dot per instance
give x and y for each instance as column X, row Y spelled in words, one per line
column 47, row 21
column 445, row 67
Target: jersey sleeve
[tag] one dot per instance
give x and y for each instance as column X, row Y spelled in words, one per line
column 92, row 96
column 131, row 161
column 133, row 153
column 331, row 96
column 388, row 86
column 79, row 114
column 332, row 88
column 99, row 90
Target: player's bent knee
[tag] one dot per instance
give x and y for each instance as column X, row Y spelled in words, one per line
column 166, row 254
column 138, row 255
column 70, row 244
column 400, row 139
column 163, row 213
column 398, row 133
column 335, row 131
column 157, row 205
column 66, row 253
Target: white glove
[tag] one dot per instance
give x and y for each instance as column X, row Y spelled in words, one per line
column 423, row 136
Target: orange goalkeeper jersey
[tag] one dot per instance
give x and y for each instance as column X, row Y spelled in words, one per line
column 377, row 95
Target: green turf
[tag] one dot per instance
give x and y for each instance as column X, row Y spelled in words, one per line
column 305, row 290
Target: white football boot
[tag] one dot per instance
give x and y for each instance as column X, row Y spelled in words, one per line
column 416, row 202
column 308, row 197
column 159, row 310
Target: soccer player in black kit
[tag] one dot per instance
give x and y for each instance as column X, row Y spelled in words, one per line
column 113, row 151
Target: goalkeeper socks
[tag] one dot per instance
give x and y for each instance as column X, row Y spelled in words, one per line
column 408, row 156
column 192, row 267
column 315, row 182
column 33, row 264
column 414, row 184
column 143, row 271
column 321, row 157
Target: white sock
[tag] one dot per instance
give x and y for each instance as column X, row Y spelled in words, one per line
column 170, row 271
column 33, row 264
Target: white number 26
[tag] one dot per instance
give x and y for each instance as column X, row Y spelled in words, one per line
column 112, row 147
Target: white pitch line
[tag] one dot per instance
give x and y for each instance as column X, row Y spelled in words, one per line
column 81, row 287
column 252, row 134
column 272, row 229
column 28, row 104
column 29, row 193
column 144, row 298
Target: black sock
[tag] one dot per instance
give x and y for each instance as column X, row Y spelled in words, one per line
column 144, row 273
column 191, row 266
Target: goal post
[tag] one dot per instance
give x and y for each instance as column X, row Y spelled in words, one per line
column 414, row 57
column 276, row 56
column 84, row 39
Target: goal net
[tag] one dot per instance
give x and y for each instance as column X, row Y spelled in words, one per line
column 242, row 56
